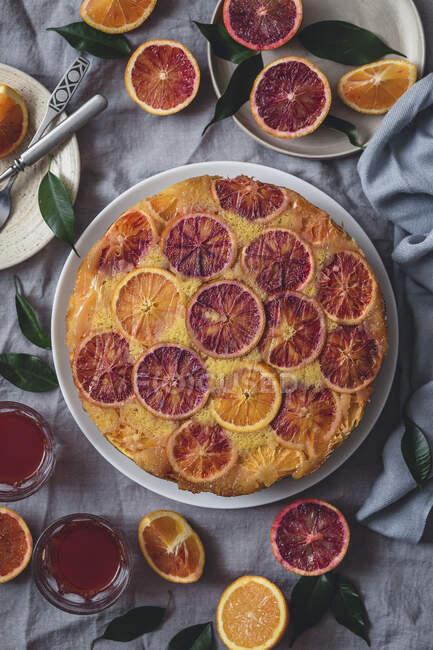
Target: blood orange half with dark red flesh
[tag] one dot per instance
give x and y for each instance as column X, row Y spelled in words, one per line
column 295, row 331
column 199, row 246
column 307, row 419
column 103, row 369
column 262, row 24
column 290, row 98
column 126, row 243
column 225, row 319
column 250, row 199
column 350, row 359
column 200, row 452
column 310, row 537
column 171, row 381
column 347, row 288
column 278, row 260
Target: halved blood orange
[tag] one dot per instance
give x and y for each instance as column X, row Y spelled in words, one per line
column 171, row 381
column 16, row 544
column 252, row 614
column 347, row 288
column 14, row 120
column 171, row 547
column 262, row 24
column 199, row 246
column 146, row 303
column 250, row 199
column 308, row 417
column 126, row 243
column 350, row 359
column 116, row 16
column 248, row 398
column 310, row 537
column 200, row 452
column 162, row 77
column 295, row 331
column 278, row 260
column 102, row 369
column 290, row 98
column 225, row 319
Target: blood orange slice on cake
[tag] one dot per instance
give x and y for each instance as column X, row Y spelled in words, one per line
column 295, row 331
column 347, row 288
column 102, row 369
column 171, row 381
column 250, row 199
column 199, row 246
column 225, row 319
column 126, row 243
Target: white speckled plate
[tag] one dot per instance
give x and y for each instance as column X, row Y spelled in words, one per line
column 397, row 22
column 26, row 232
column 287, row 487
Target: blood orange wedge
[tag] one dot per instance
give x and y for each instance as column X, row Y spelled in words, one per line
column 198, row 246
column 248, row 398
column 171, row 547
column 252, row 613
column 200, row 452
column 14, row 120
column 116, row 16
column 250, row 199
column 351, row 359
column 146, row 303
column 126, row 243
column 162, row 77
column 225, row 319
column 16, row 544
column 375, row 87
column 278, row 260
column 308, row 417
column 262, row 24
column 171, row 381
column 310, row 537
column 295, row 331
column 347, row 288
column 290, row 98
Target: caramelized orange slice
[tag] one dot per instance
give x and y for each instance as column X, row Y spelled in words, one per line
column 14, row 120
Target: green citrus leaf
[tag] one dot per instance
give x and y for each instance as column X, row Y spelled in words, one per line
column 56, row 208
column 27, row 372
column 344, row 42
column 223, row 45
column 343, row 126
column 87, row 39
column 311, row 599
column 348, row 608
column 28, row 320
column 239, row 89
column 416, row 452
column 196, row 637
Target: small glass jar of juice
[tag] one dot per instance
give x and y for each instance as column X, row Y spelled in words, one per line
column 27, row 456
column 81, row 564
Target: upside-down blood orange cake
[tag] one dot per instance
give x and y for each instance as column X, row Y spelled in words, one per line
column 225, row 334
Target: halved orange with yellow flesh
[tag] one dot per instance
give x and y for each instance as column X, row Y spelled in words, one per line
column 248, row 398
column 146, row 303
column 375, row 87
column 252, row 613
column 171, row 547
column 14, row 120
column 116, row 16
column 16, row 544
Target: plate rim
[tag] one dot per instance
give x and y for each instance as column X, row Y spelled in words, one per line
column 274, row 147
column 119, row 460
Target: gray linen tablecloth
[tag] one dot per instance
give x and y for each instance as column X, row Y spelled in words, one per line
column 118, row 150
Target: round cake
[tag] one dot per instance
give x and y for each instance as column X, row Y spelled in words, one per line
column 225, row 334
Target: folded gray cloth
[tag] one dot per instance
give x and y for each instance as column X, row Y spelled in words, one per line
column 396, row 173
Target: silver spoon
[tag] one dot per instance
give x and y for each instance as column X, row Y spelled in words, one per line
column 58, row 101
